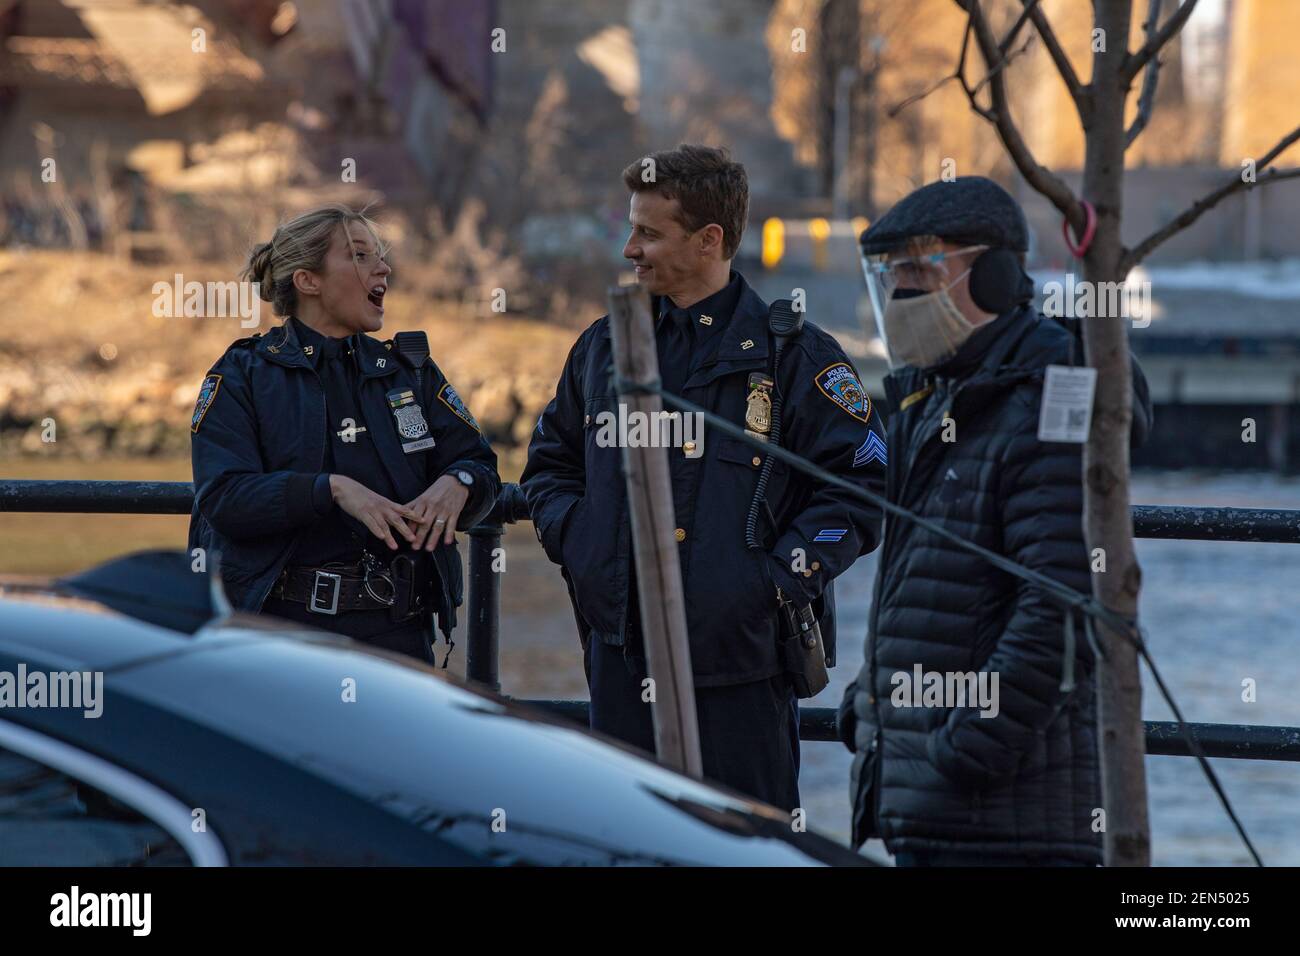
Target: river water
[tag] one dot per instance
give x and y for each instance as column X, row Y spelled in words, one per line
column 1217, row 614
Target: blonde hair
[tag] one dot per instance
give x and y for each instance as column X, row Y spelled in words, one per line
column 300, row 243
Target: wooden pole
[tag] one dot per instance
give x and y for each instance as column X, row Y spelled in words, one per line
column 659, row 574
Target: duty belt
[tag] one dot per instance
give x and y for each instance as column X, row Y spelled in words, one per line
column 367, row 585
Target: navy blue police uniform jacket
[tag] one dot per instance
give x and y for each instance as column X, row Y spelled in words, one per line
column 577, row 497
column 257, row 445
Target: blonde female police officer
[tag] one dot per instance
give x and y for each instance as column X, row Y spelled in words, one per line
column 331, row 469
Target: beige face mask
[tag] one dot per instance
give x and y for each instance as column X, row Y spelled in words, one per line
column 924, row 330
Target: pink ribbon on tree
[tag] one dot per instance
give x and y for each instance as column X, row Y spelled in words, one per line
column 1089, row 230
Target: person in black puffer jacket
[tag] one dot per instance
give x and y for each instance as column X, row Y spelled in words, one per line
column 1013, row 777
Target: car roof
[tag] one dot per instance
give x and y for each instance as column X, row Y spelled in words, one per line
column 45, row 626
column 395, row 734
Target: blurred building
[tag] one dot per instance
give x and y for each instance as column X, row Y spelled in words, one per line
column 524, row 112
column 239, row 109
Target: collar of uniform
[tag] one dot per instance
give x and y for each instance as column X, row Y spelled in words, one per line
column 718, row 307
column 374, row 358
column 745, row 335
column 320, row 346
column 281, row 346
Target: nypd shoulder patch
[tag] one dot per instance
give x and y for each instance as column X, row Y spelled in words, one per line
column 447, row 395
column 207, row 392
column 840, row 384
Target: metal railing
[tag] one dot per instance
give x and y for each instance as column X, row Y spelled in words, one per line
column 1241, row 741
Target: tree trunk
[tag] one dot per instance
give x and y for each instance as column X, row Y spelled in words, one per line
column 1107, row 518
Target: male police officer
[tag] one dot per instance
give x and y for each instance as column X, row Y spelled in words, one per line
column 715, row 350
column 1011, row 777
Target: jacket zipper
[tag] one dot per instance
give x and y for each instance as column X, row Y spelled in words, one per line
column 892, row 486
column 878, row 743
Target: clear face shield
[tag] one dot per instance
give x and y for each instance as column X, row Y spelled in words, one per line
column 920, row 324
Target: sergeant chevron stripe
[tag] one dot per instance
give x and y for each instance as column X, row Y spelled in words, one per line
column 873, row 449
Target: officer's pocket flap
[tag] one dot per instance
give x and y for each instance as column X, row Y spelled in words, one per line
column 596, row 407
column 740, row 453
column 601, row 403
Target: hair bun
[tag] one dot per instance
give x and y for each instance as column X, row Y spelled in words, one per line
column 258, row 269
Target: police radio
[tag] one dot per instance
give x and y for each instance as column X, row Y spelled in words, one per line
column 414, row 347
column 799, row 642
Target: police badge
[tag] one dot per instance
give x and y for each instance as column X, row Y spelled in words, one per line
column 758, row 406
column 410, row 420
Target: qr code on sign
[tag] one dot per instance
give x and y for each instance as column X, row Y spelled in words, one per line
column 1078, row 417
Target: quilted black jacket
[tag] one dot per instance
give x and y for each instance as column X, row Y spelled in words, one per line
column 964, row 451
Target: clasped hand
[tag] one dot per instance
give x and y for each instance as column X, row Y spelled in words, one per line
column 421, row 522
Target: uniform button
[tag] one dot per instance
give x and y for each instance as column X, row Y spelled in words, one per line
column 587, row 420
column 871, row 699
column 688, row 447
column 807, row 574
column 756, row 461
column 680, row 534
column 816, row 566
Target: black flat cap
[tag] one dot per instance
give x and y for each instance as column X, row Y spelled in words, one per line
column 970, row 210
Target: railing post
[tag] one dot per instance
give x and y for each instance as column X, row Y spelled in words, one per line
column 483, row 629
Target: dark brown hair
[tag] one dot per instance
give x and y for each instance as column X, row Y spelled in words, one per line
column 708, row 186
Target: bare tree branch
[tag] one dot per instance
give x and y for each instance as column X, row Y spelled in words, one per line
column 1011, row 57
column 960, row 74
column 1147, row 100
column 1063, row 64
column 1210, row 200
column 954, row 75
column 1134, row 62
column 1010, row 38
column 1038, row 176
column 901, row 105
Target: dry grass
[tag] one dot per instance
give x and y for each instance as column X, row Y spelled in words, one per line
column 80, row 344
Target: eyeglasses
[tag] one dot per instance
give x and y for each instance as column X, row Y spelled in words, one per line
column 882, row 265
